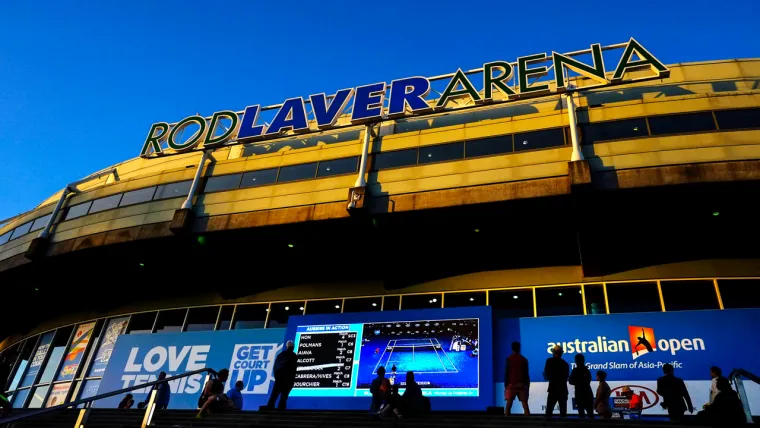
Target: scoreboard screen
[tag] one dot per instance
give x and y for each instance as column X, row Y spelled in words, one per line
column 325, row 359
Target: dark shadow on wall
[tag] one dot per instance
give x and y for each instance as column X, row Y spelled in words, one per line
column 300, row 143
column 420, row 124
column 638, row 93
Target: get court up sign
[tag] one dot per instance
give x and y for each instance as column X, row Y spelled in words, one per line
column 501, row 81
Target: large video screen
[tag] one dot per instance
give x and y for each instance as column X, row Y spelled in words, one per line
column 341, row 360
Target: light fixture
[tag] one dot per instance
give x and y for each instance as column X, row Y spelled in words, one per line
column 525, row 143
column 36, row 289
column 328, row 168
column 430, row 301
column 374, row 304
column 267, row 309
column 635, row 128
column 514, row 297
column 287, row 308
column 580, row 291
column 559, row 294
column 301, row 308
column 337, row 306
column 435, row 300
column 291, row 245
column 472, row 299
column 142, row 264
column 253, row 179
column 477, row 230
column 430, row 155
column 201, row 240
column 716, row 213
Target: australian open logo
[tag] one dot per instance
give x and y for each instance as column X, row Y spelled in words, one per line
column 254, row 365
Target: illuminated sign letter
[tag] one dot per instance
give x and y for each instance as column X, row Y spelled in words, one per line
column 212, row 140
column 248, row 127
column 523, row 72
column 489, row 80
column 452, row 92
column 410, row 91
column 368, row 103
column 327, row 114
column 646, row 59
column 596, row 73
column 154, row 141
column 193, row 140
column 292, row 115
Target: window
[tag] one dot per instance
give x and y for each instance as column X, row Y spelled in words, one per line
column 5, row 237
column 259, row 178
column 137, row 196
column 338, row 166
column 37, row 359
column 78, row 210
column 170, row 321
column 202, row 319
column 225, row 317
column 89, row 388
column 19, row 397
column 441, row 153
column 40, row 222
column 739, row 293
column 689, row 295
column 172, row 190
column 314, row 307
column 58, row 346
column 250, row 316
column 488, row 146
column 304, row 171
column 280, row 312
column 614, row 130
column 369, row 304
column 633, row 297
column 391, row 303
column 421, row 301
column 738, row 119
column 396, row 159
column 455, row 300
column 552, row 301
column 539, row 139
column 38, row 397
column 681, row 123
column 106, row 203
column 21, row 230
column 142, row 323
column 222, row 182
column 595, row 303
column 514, row 303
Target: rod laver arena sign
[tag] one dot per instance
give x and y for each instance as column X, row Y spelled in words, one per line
column 408, row 96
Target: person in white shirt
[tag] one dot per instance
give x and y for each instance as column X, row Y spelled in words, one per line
column 715, row 374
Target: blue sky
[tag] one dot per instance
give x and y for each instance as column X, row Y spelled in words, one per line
column 81, row 82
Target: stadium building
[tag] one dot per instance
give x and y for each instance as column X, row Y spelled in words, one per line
column 581, row 199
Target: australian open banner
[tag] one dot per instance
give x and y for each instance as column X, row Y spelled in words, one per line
column 248, row 354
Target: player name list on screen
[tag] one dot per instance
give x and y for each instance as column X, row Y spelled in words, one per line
column 325, row 360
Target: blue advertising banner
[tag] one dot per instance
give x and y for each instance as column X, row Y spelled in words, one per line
column 39, row 356
column 248, row 354
column 114, row 329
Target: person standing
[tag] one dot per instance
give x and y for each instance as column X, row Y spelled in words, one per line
column 715, row 373
column 556, row 371
column 675, row 396
column 284, row 376
column 516, row 380
column 580, row 377
column 163, row 393
column 603, row 391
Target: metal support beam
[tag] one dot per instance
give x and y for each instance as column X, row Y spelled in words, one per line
column 577, row 155
column 360, row 181
column 188, row 204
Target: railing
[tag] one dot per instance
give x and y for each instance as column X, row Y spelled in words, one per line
column 736, row 377
column 85, row 412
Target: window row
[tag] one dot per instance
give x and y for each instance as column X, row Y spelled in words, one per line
column 703, row 121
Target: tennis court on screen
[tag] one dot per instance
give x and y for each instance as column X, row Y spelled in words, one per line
column 417, row 355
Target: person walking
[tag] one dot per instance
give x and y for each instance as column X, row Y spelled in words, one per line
column 675, row 396
column 212, row 397
column 127, row 402
column 516, row 380
column 556, row 371
column 284, row 376
column 603, row 391
column 580, row 377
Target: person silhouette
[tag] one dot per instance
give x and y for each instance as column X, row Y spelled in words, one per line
column 643, row 342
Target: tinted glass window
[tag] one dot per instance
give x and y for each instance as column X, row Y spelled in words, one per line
column 259, row 178
column 170, row 321
column 395, row 159
column 19, row 397
column 106, row 203
column 559, row 301
column 21, row 230
column 172, row 190
column 38, row 397
column 369, row 304
column 740, row 293
column 314, row 307
column 78, row 210
column 633, row 297
column 5, row 237
column 225, row 318
column 421, row 301
column 58, row 347
column 681, row 123
column 281, row 312
column 738, row 119
column 250, row 316
column 338, row 166
column 539, row 139
column 40, row 223
column 297, row 172
column 688, row 295
column 141, row 323
column 391, row 303
column 614, row 130
column 137, row 196
column 202, row 319
column 441, row 153
column 489, row 146
column 595, row 303
column 222, row 182
column 513, row 303
column 455, row 300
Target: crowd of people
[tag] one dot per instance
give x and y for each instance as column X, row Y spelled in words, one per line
column 723, row 409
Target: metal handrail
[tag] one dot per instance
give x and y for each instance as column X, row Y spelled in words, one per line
column 741, row 372
column 736, row 376
column 105, row 395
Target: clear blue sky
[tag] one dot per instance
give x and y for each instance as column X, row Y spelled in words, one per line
column 81, row 82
